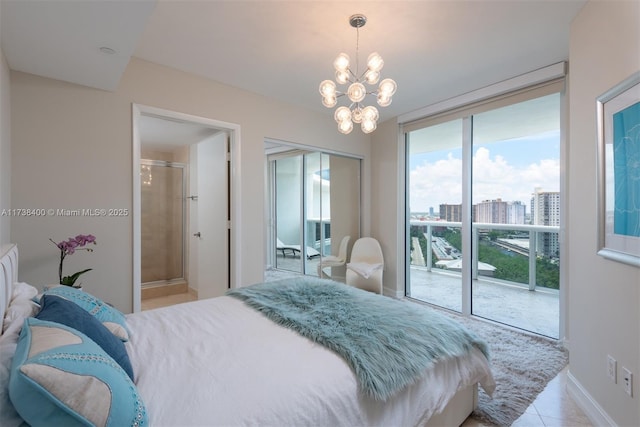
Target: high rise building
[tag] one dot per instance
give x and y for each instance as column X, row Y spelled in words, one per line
column 499, row 212
column 545, row 210
column 452, row 213
column 516, row 213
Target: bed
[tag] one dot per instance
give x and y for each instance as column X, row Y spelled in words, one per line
column 226, row 361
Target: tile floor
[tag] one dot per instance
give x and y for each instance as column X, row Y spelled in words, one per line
column 552, row 408
column 150, row 303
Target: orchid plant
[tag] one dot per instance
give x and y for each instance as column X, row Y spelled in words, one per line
column 69, row 247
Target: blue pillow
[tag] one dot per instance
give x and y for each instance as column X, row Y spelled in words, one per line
column 56, row 309
column 60, row 377
column 110, row 317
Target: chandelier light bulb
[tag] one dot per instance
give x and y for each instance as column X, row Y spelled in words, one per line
column 327, row 89
column 383, row 100
column 341, row 63
column 329, row 101
column 368, row 126
column 388, row 87
column 342, row 114
column 356, row 92
column 370, row 113
column 342, row 76
column 372, row 77
column 356, row 115
column 375, row 62
column 345, row 126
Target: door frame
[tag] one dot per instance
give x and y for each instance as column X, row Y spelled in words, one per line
column 235, row 226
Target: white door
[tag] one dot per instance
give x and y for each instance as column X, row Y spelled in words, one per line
column 209, row 245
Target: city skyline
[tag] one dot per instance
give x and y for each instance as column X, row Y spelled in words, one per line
column 510, row 170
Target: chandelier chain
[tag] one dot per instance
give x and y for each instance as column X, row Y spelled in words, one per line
column 357, row 53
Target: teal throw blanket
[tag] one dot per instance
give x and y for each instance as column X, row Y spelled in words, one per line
column 388, row 343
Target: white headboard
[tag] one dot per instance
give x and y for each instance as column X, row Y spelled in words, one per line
column 8, row 275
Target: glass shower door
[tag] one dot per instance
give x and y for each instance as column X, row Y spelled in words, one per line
column 163, row 220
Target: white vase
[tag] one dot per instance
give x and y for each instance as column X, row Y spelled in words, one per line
column 47, row 287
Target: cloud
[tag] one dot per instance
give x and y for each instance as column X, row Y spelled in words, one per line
column 440, row 182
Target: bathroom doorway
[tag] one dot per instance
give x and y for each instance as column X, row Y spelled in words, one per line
column 183, row 207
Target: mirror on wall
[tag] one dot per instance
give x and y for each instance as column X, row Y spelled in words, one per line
column 315, row 203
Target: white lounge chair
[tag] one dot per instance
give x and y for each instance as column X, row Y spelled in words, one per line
column 295, row 250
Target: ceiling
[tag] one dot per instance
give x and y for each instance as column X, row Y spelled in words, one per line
column 434, row 50
column 164, row 134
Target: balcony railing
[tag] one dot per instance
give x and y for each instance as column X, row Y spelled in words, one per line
column 533, row 232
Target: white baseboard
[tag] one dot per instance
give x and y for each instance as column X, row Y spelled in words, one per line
column 393, row 293
column 587, row 403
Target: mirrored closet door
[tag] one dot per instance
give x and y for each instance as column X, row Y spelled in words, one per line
column 315, row 203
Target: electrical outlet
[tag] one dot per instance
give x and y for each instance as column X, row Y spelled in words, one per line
column 627, row 381
column 612, row 368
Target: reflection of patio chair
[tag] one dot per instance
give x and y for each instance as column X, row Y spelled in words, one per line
column 295, row 250
column 334, row 261
column 364, row 270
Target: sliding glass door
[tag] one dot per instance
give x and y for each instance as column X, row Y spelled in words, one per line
column 435, row 213
column 516, row 203
column 483, row 195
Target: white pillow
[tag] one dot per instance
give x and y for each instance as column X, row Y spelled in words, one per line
column 23, row 290
column 363, row 269
column 20, row 307
column 8, row 342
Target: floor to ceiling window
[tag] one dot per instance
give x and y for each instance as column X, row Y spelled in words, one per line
column 483, row 209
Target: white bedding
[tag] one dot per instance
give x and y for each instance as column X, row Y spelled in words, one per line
column 217, row 362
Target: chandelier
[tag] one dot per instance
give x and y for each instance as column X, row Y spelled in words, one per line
column 357, row 112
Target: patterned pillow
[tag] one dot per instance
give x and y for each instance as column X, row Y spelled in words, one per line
column 110, row 317
column 60, row 310
column 59, row 376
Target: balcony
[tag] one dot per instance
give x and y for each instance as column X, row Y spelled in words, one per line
column 436, row 276
column 522, row 304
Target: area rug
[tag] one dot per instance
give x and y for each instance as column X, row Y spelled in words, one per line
column 522, row 365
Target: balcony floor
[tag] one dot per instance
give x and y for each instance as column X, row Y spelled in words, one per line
column 505, row 302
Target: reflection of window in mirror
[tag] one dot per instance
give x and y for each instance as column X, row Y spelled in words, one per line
column 309, row 216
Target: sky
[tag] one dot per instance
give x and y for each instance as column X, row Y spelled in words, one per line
column 509, row 170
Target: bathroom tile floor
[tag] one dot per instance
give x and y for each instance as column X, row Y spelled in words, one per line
column 151, row 303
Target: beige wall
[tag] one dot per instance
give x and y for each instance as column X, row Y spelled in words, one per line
column 72, row 149
column 603, row 296
column 5, row 149
column 387, row 225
